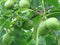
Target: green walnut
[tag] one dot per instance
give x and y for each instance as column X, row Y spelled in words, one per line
column 7, row 39
column 9, row 3
column 52, row 23
column 27, row 24
column 24, row 4
column 49, row 24
column 43, row 30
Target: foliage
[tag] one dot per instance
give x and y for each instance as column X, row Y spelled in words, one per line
column 29, row 22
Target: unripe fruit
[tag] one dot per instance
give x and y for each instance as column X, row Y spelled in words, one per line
column 9, row 3
column 43, row 29
column 7, row 39
column 28, row 24
column 52, row 23
column 24, row 4
column 49, row 24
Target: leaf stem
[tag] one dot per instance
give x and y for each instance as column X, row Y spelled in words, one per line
column 43, row 7
column 37, row 36
column 44, row 11
column 52, row 13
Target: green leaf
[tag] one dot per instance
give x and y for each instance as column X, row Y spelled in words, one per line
column 35, row 3
column 52, row 2
column 50, row 40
